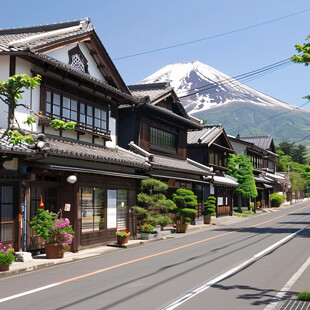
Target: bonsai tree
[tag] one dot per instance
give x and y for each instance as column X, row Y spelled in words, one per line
column 210, row 207
column 186, row 202
column 153, row 203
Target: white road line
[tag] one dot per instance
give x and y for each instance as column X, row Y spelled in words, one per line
column 204, row 286
column 29, row 292
column 287, row 286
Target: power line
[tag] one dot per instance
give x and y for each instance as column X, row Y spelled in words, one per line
column 211, row 37
column 245, row 76
column 274, row 116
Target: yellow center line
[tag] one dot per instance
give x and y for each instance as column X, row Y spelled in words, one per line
column 172, row 250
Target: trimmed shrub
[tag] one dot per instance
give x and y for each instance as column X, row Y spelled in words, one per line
column 276, row 199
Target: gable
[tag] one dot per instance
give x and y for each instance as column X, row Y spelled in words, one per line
column 63, row 55
column 51, row 41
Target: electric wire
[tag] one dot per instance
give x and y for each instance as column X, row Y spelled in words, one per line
column 211, row 37
column 239, row 78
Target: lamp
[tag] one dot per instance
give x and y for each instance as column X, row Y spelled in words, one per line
column 71, row 179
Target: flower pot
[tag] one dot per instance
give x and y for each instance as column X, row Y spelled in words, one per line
column 122, row 240
column 207, row 219
column 53, row 250
column 4, row 267
column 147, row 236
column 181, row 228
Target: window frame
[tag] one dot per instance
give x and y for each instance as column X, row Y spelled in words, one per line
column 80, row 124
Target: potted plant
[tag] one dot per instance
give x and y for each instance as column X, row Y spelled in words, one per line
column 122, row 236
column 57, row 233
column 186, row 202
column 147, row 231
column 7, row 257
column 209, row 209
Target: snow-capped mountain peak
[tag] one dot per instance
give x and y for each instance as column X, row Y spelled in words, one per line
column 209, row 87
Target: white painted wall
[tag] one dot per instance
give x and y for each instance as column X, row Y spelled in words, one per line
column 4, row 75
column 31, row 97
column 239, row 148
column 112, row 128
column 61, row 54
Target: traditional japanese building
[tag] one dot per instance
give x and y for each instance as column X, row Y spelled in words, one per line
column 157, row 129
column 210, row 146
column 81, row 173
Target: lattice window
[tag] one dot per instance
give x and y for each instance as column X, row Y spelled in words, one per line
column 77, row 63
column 77, row 60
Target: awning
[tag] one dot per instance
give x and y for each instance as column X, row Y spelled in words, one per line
column 177, row 178
column 225, row 180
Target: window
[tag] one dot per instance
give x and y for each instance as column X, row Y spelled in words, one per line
column 7, row 213
column 68, row 109
column 92, row 206
column 121, row 209
column 163, row 138
column 77, row 60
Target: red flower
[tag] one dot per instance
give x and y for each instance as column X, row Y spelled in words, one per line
column 145, row 227
column 127, row 231
column 148, row 222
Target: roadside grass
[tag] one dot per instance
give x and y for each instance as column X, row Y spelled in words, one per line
column 244, row 213
column 304, row 296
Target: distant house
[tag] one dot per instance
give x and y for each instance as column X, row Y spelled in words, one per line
column 211, row 147
column 262, row 152
column 79, row 83
column 157, row 129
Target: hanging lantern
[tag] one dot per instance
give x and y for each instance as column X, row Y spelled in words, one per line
column 41, row 203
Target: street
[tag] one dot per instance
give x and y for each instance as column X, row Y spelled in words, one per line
column 224, row 268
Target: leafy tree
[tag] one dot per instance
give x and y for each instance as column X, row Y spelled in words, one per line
column 186, row 202
column 304, row 58
column 297, row 152
column 11, row 92
column 298, row 182
column 241, row 168
column 152, row 202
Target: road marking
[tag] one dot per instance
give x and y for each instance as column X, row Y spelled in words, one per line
column 204, row 286
column 287, row 286
column 29, row 292
column 142, row 258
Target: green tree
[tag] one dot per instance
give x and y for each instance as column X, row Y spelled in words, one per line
column 241, row 168
column 152, row 202
column 298, row 181
column 186, row 201
column 297, row 152
column 304, row 58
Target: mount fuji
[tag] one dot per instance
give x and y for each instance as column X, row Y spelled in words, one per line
column 211, row 95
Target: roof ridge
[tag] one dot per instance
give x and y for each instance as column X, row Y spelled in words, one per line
column 48, row 27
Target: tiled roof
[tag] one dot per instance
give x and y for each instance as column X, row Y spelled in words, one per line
column 154, row 91
column 179, row 165
column 7, row 147
column 31, row 38
column 203, row 136
column 263, row 142
column 115, row 155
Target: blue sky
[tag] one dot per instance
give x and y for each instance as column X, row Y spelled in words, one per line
column 129, row 27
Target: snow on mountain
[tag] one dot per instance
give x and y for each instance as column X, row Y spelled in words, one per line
column 215, row 88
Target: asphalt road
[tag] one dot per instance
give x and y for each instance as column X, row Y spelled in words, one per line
column 225, row 268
